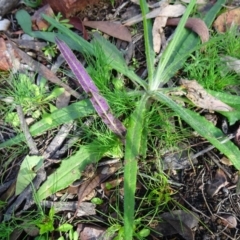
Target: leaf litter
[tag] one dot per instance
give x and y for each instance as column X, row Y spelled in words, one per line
column 186, row 175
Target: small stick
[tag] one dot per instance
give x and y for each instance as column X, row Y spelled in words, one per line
column 30, row 142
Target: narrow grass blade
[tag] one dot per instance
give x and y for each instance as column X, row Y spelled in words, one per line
column 132, row 152
column 69, row 171
column 204, row 128
column 72, row 39
column 148, row 41
column 99, row 103
column 170, row 49
column 116, row 60
column 76, row 110
column 186, row 44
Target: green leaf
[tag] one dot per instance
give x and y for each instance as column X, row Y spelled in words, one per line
column 169, row 52
column 144, row 233
column 82, row 45
column 26, row 173
column 116, row 60
column 148, row 41
column 75, row 42
column 76, row 110
column 24, row 20
column 65, row 227
column 204, row 128
column 186, row 44
column 57, row 91
column 233, row 101
column 132, row 152
column 69, row 171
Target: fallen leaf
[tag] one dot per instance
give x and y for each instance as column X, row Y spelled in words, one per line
column 78, row 24
column 227, row 19
column 116, row 30
column 158, row 33
column 89, row 185
column 69, row 7
column 198, row 95
column 195, row 24
column 9, row 59
column 224, row 160
column 228, row 220
column 178, row 221
column 170, row 10
column 219, row 181
column 91, row 232
column 37, row 19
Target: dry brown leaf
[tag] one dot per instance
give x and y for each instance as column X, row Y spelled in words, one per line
column 219, row 181
column 224, row 160
column 228, row 220
column 177, row 221
column 92, row 232
column 195, row 24
column 69, row 7
column 198, row 95
column 78, row 24
column 166, row 11
column 227, row 19
column 116, row 30
column 158, row 32
column 9, row 58
column 37, row 19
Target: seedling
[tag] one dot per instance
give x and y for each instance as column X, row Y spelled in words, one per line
column 34, row 99
column 50, row 50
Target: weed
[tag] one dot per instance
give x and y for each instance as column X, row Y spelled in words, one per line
column 35, row 100
column 50, row 50
column 138, row 109
column 207, row 66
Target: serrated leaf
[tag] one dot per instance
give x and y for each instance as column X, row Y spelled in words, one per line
column 64, row 115
column 99, row 103
column 26, row 173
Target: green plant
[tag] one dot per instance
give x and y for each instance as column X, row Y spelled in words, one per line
column 50, row 50
column 35, row 100
column 207, row 66
column 32, row 3
column 182, row 45
column 63, row 22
